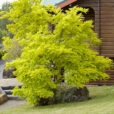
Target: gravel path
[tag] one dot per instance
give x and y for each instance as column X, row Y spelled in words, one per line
column 12, row 104
column 9, row 82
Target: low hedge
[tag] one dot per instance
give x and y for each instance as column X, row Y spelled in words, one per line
column 66, row 94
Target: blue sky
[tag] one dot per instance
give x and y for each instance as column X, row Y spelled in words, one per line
column 53, row 2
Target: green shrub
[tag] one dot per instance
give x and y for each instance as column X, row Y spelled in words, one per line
column 66, row 94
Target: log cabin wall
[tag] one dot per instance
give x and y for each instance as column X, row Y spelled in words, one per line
column 104, row 23
column 104, row 26
column 107, row 28
column 107, row 36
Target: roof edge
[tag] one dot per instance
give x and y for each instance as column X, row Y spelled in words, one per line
column 62, row 5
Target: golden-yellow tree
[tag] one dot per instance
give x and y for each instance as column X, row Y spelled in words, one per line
column 55, row 47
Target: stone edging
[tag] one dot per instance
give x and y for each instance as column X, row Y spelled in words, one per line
column 3, row 97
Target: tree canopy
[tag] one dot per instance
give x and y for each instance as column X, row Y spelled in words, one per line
column 55, row 48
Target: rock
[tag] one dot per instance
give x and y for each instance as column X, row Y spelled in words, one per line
column 3, row 98
column 8, row 73
column 66, row 94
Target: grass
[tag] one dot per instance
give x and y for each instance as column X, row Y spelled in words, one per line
column 0, row 92
column 101, row 102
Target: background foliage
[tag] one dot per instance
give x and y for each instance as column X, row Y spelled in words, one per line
column 4, row 22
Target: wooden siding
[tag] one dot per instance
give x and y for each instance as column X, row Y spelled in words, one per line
column 104, row 26
column 110, row 81
column 107, row 28
column 104, row 22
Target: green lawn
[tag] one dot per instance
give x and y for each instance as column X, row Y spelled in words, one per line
column 0, row 92
column 102, row 102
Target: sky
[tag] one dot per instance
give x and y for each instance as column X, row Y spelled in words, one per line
column 3, row 1
column 53, row 2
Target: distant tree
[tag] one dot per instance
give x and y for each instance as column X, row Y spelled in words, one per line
column 4, row 22
column 49, row 55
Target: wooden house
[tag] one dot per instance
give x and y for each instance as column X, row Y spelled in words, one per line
column 102, row 14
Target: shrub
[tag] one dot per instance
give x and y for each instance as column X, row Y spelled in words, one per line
column 66, row 94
